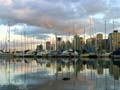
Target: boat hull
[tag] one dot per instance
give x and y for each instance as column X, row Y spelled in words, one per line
column 6, row 55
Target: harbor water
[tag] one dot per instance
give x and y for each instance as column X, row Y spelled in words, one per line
column 59, row 74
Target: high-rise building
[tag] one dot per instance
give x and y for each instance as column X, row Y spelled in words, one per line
column 62, row 46
column 99, row 39
column 58, row 43
column 76, row 43
column 52, row 46
column 105, row 44
column 68, row 45
column 114, row 40
column 99, row 36
column 82, row 42
column 48, row 45
column 90, row 43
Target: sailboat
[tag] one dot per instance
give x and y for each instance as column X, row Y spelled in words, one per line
column 7, row 53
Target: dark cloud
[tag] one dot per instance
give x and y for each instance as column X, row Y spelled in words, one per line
column 46, row 16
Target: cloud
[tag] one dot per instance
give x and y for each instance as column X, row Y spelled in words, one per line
column 42, row 17
column 57, row 16
column 113, row 13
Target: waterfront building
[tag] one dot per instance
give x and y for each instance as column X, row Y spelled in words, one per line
column 91, row 43
column 52, row 46
column 114, row 40
column 76, row 43
column 62, row 46
column 68, row 45
column 82, row 42
column 58, row 43
column 99, row 38
column 48, row 45
column 105, row 44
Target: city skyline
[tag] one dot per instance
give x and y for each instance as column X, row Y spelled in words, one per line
column 96, row 42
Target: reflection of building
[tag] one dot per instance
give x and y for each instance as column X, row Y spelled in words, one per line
column 115, row 71
column 48, row 45
column 114, row 39
column 100, row 70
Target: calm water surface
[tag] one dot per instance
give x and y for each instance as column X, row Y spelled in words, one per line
column 18, row 74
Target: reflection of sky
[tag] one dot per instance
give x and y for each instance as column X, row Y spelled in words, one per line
column 9, row 72
column 16, row 72
column 20, row 73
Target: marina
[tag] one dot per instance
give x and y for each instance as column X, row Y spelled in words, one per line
column 59, row 44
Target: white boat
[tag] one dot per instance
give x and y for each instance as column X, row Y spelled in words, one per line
column 18, row 53
column 29, row 53
column 42, row 53
column 6, row 55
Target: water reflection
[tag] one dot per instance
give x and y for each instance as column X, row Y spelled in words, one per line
column 19, row 73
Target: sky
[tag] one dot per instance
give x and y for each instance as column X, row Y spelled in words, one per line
column 43, row 18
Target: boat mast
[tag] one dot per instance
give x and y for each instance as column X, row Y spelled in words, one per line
column 25, row 40
column 21, row 44
column 9, row 36
column 90, row 33
column 84, row 35
column 105, row 36
column 113, row 30
column 56, row 40
column 32, row 43
column 96, row 45
column 6, row 40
